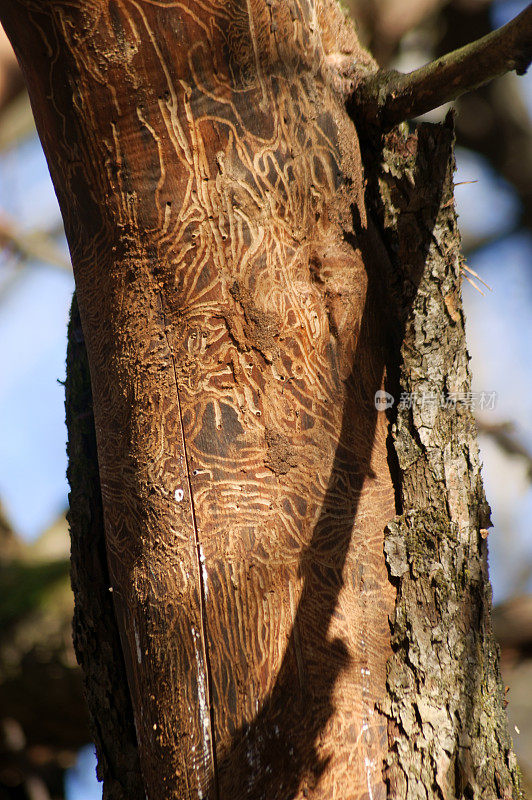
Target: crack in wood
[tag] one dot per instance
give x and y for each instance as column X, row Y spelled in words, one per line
column 201, row 572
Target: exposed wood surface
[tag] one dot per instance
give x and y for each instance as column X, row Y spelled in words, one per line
column 208, row 176
column 95, row 631
column 11, row 82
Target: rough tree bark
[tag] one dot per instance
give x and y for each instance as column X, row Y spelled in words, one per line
column 248, row 277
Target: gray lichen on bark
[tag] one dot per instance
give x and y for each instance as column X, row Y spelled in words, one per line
column 448, row 731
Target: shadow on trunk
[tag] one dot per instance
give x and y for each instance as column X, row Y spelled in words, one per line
column 276, row 755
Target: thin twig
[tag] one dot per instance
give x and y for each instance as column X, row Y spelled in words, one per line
column 465, row 268
column 389, row 97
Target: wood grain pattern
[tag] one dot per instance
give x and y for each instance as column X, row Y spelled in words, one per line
column 212, row 191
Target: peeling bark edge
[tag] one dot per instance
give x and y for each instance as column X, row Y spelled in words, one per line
column 448, row 731
column 95, row 633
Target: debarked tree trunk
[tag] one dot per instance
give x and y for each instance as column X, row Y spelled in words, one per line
column 243, row 294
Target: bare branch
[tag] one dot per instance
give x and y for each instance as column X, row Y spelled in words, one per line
column 504, row 435
column 389, row 97
column 31, row 245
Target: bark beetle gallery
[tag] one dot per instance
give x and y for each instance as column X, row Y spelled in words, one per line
column 235, row 280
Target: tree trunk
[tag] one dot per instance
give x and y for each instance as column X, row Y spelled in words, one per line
column 244, row 285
